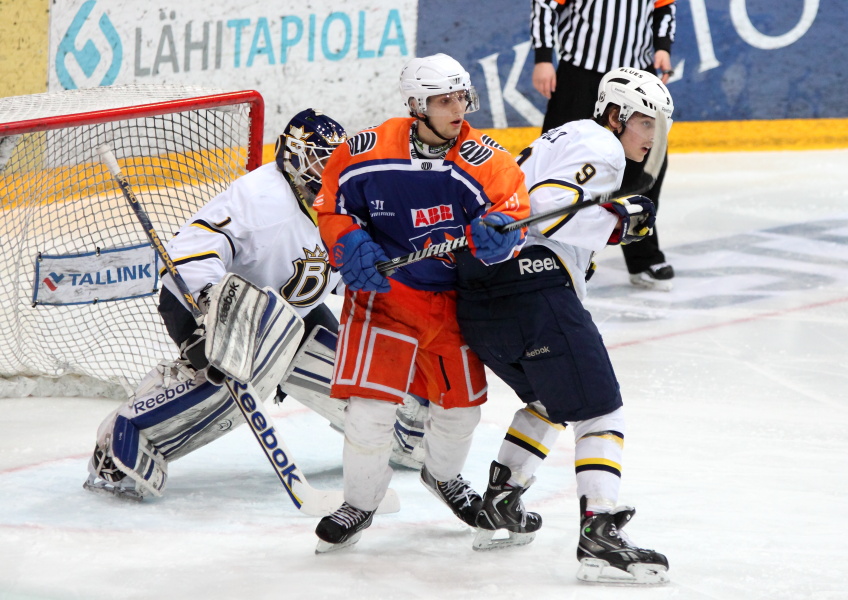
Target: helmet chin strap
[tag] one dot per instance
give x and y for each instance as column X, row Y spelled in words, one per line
column 426, row 120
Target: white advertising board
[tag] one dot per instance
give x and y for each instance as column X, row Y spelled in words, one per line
column 342, row 57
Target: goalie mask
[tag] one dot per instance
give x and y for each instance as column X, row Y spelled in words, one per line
column 422, row 78
column 634, row 91
column 305, row 145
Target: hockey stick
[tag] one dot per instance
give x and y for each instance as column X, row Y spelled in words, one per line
column 646, row 181
column 307, row 499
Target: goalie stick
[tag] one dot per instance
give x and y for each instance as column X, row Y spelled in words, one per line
column 307, row 499
column 645, row 182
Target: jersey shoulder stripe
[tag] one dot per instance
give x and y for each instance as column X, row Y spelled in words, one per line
column 386, row 142
column 564, row 187
column 201, row 224
column 193, row 258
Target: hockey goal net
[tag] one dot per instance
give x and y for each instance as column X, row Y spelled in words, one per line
column 79, row 281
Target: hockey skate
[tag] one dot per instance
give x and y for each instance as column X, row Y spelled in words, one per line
column 341, row 529
column 457, row 494
column 606, row 554
column 655, row 277
column 503, row 510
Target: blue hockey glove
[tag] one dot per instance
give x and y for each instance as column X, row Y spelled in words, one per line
column 487, row 243
column 636, row 217
column 359, row 256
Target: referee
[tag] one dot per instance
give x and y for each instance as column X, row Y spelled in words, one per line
column 595, row 37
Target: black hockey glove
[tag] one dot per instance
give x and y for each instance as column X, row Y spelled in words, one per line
column 193, row 350
column 636, row 217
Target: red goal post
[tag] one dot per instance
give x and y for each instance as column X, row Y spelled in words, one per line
column 78, row 281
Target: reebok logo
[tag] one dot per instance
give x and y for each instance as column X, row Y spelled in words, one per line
column 267, row 436
column 145, row 404
column 227, row 303
column 537, row 352
column 527, row 266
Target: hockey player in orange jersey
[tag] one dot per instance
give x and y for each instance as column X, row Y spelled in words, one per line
column 389, row 191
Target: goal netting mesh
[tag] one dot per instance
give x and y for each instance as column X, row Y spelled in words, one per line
column 78, row 279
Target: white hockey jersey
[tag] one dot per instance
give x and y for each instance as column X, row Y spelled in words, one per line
column 258, row 229
column 578, row 161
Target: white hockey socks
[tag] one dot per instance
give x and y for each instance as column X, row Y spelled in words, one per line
column 527, row 443
column 367, row 446
column 597, row 459
column 447, row 439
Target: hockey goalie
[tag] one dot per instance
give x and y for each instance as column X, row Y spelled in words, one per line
column 261, row 230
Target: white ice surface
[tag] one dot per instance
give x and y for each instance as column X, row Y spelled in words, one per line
column 736, row 456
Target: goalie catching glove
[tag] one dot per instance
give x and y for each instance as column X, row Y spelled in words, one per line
column 636, row 217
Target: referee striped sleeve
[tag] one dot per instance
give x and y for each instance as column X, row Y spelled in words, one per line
column 601, row 35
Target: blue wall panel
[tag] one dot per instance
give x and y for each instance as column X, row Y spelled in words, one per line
column 735, row 60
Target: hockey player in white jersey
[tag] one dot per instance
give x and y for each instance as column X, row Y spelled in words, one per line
column 526, row 321
column 260, row 228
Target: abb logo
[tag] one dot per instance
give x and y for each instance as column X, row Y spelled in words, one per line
column 423, row 217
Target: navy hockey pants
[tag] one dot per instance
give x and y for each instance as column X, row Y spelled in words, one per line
column 546, row 347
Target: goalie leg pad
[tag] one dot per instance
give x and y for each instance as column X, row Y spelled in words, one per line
column 241, row 318
column 179, row 411
column 136, row 456
column 125, row 463
column 310, row 373
column 407, row 448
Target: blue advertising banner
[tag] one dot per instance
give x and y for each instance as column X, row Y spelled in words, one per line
column 734, row 59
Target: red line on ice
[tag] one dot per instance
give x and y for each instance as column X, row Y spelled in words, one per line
column 767, row 315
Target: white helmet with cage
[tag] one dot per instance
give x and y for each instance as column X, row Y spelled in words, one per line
column 634, row 91
column 435, row 75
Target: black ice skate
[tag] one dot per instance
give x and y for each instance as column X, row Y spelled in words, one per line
column 457, row 494
column 606, row 554
column 655, row 277
column 504, row 510
column 343, row 528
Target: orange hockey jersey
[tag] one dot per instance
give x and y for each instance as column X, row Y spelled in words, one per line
column 407, row 204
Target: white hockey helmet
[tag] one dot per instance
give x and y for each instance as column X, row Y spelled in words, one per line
column 435, row 75
column 634, row 91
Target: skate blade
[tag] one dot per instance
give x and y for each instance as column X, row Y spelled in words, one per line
column 485, row 540
column 325, row 547
column 657, row 285
column 593, row 570
column 107, row 490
